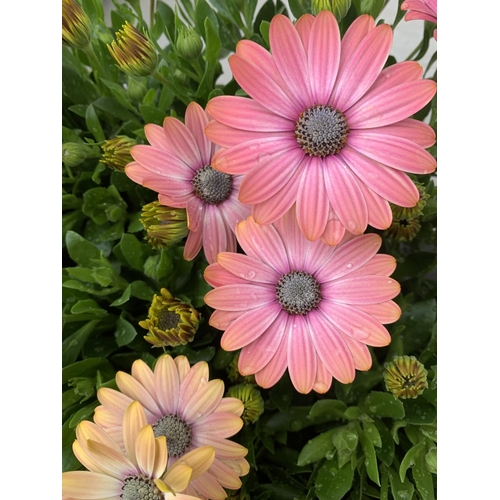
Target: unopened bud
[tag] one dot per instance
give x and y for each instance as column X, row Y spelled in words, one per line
column 73, row 154
column 338, row 8
column 76, row 27
column 188, row 44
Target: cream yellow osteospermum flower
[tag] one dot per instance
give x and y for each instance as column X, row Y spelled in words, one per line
column 137, row 473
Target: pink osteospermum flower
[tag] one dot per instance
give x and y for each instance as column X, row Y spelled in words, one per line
column 177, row 165
column 422, row 10
column 137, row 471
column 182, row 404
column 308, row 306
column 326, row 127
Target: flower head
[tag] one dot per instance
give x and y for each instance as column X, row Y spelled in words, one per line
column 182, row 404
column 76, row 27
column 251, row 399
column 116, row 152
column 177, row 165
column 405, row 377
column 326, row 128
column 170, row 322
column 164, row 226
column 404, row 229
column 133, row 52
column 422, row 10
column 308, row 306
column 338, row 8
column 138, row 469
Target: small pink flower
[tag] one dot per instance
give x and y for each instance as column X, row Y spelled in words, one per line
column 181, row 404
column 422, row 10
column 326, row 127
column 308, row 306
column 177, row 165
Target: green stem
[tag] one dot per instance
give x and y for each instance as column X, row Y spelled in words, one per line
column 151, row 12
column 94, row 63
column 158, row 76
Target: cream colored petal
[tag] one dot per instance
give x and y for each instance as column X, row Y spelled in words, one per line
column 178, row 476
column 183, row 367
column 167, row 385
column 86, row 430
column 161, row 456
column 209, row 487
column 113, row 401
column 199, row 460
column 110, row 461
column 106, row 418
column 133, row 421
column 224, row 448
column 195, row 379
column 226, row 476
column 204, row 401
column 220, row 424
column 142, row 373
column 232, row 405
column 83, row 485
column 135, row 390
column 145, row 450
column 239, row 465
column 85, row 458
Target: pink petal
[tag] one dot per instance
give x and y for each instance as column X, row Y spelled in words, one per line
column 323, row 56
column 167, row 384
column 216, row 276
column 156, row 136
column 391, row 106
column 312, row 201
column 385, row 312
column 233, row 211
column 331, row 347
column 364, row 65
column 204, row 401
column 223, row 319
column 301, row 355
column 419, row 16
column 248, row 268
column 193, row 244
column 392, row 185
column 224, row 448
column 303, row 27
column 247, row 114
column 349, row 257
column 196, row 121
column 228, row 137
column 355, row 323
column 263, row 243
column 413, row 130
column 135, row 390
column 345, row 195
column 255, row 356
column 242, row 158
column 178, row 202
column 195, row 209
column 361, row 290
column 220, row 424
column 249, row 326
column 181, row 142
column 354, row 35
column 196, row 378
column 380, row 264
column 206, row 485
column 226, row 476
column 259, row 84
column 170, row 187
column 323, row 378
column 379, row 210
column 240, row 297
column 274, row 370
column 136, row 172
column 392, row 151
column 290, row 57
column 215, row 233
column 360, row 354
column 334, row 232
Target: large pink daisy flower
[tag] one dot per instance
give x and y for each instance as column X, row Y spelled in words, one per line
column 178, row 166
column 327, row 127
column 308, row 306
column 182, row 404
column 423, row 10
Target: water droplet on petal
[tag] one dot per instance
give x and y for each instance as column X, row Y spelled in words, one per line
column 351, row 225
column 250, row 275
column 349, row 266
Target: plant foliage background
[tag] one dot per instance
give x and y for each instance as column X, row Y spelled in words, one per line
column 358, row 441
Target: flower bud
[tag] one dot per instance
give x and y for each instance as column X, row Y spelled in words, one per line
column 136, row 90
column 76, row 27
column 116, row 152
column 73, row 154
column 410, row 212
column 251, row 399
column 188, row 44
column 405, row 377
column 133, row 52
column 403, row 229
column 431, row 460
column 338, row 8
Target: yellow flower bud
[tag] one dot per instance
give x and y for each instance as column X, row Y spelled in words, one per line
column 76, row 27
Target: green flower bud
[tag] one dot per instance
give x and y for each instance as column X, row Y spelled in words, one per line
column 136, row 90
column 76, row 27
column 405, row 377
column 403, row 229
column 116, row 152
column 73, row 154
column 188, row 44
column 133, row 52
column 338, row 8
column 251, row 399
column 431, row 460
column 410, row 212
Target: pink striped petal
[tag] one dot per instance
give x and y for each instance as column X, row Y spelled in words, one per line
column 323, row 56
column 312, row 201
column 419, row 16
column 255, row 356
column 380, row 264
column 178, row 202
column 323, row 378
column 242, row 158
column 318, row 253
column 361, row 290
column 135, row 390
column 249, row 326
column 214, row 233
column 196, row 121
column 171, row 187
column 290, row 57
column 193, row 244
column 224, row 448
column 181, row 142
column 391, row 106
column 136, row 172
column 259, row 84
column 379, row 210
column 345, row 195
column 392, row 151
column 334, row 232
column 360, row 71
column 195, row 209
column 385, row 312
column 331, row 347
column 263, row 243
column 207, row 486
column 248, row 268
column 216, row 276
column 274, row 370
column 223, row 319
column 349, row 257
column 220, row 424
column 392, row 185
column 247, row 114
column 204, row 401
column 413, row 130
column 356, row 324
column 233, row 212
column 226, row 476
column 156, row 136
column 302, row 364
column 228, row 137
column 167, row 384
column 196, row 378
column 354, row 35
column 360, row 354
column 268, row 176
column 240, row 297
column 303, row 27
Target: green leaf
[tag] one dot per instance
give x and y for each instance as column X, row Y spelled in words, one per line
column 81, row 368
column 124, row 333
column 264, row 31
column 81, row 250
column 124, row 298
column 119, row 93
column 383, row 404
column 82, row 274
column 294, row 419
column 88, row 306
column 372, row 434
column 112, row 106
column 151, row 115
column 409, row 459
column 317, row 448
column 73, row 344
column 84, row 414
column 77, row 89
column 203, row 11
column 327, row 410
column 372, row 7
column 132, row 251
column 69, row 461
column 296, row 8
column 142, row 290
column 403, row 491
column 93, row 8
column 168, row 18
column 370, row 458
column 423, row 478
column 387, row 450
column 332, row 483
column 419, row 411
column 93, row 124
